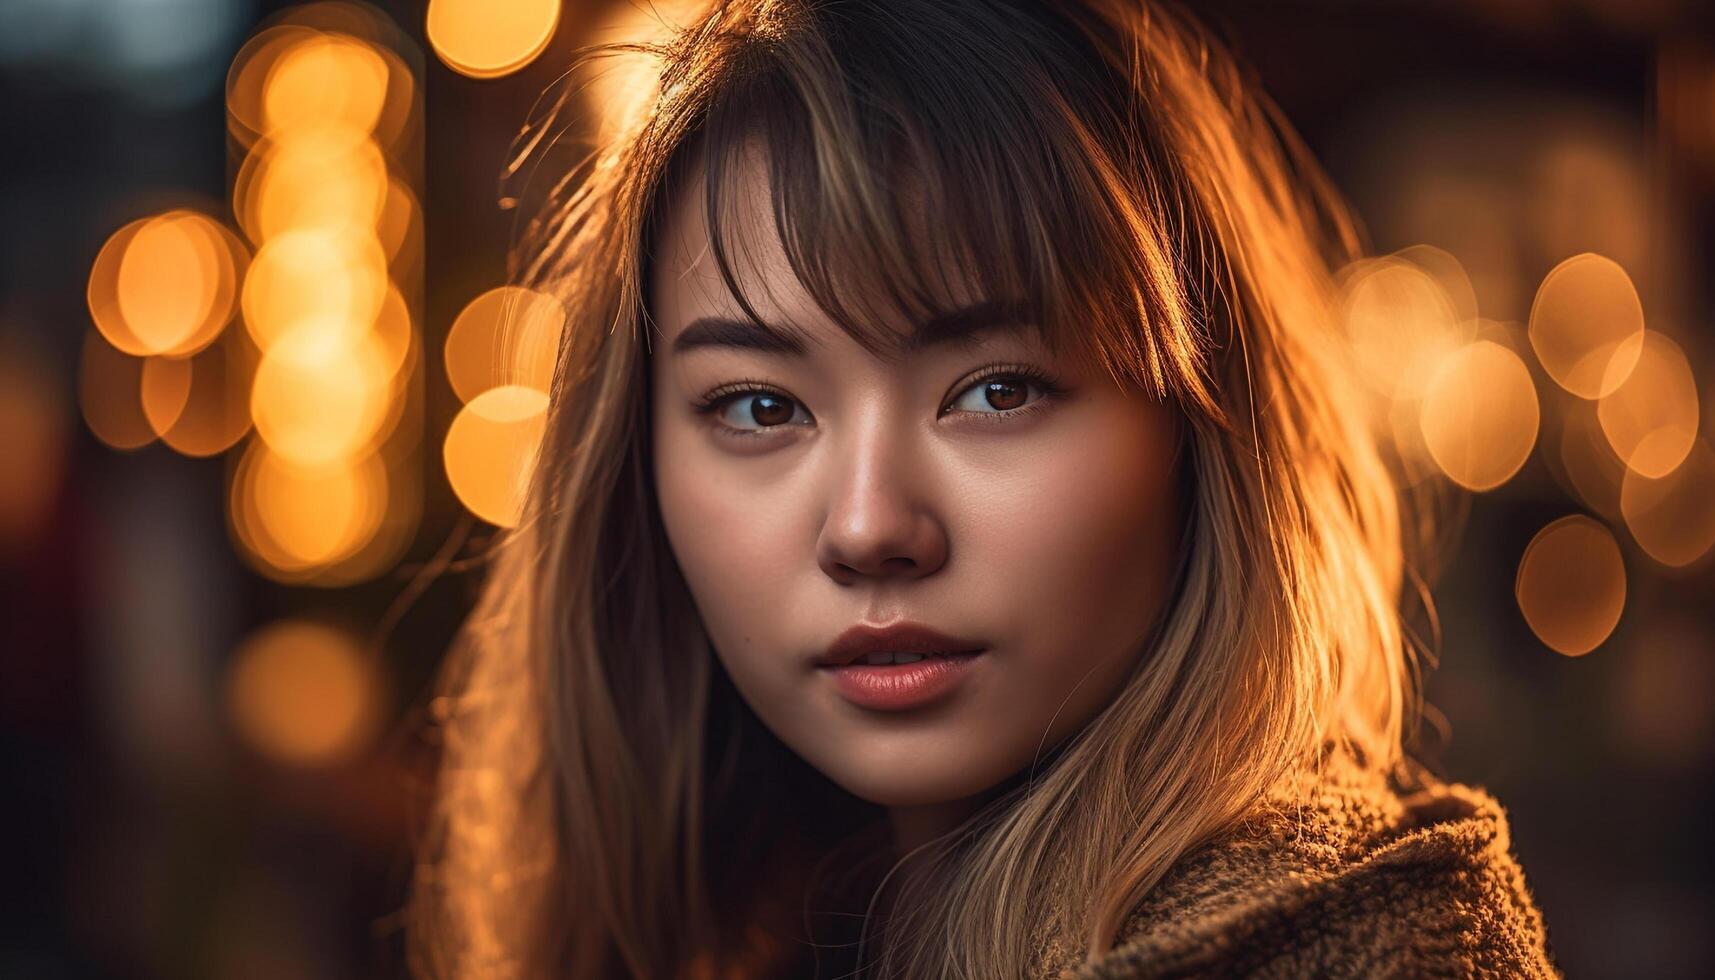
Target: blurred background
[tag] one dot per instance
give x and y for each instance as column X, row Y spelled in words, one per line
column 264, row 394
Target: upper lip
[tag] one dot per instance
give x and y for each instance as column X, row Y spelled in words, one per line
column 902, row 637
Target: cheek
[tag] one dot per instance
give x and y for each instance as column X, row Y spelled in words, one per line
column 1080, row 543
column 733, row 535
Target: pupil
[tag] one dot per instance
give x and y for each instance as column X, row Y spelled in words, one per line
column 1010, row 393
column 778, row 414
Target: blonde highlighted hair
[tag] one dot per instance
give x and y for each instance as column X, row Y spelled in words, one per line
column 607, row 805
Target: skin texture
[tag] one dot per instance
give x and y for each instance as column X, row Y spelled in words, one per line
column 1049, row 536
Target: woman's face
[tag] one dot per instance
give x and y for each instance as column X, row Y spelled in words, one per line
column 828, row 488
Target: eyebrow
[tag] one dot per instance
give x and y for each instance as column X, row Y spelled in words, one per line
column 956, row 326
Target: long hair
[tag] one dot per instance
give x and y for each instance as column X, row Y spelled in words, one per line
column 608, row 806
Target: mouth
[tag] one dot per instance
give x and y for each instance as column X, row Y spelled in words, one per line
column 898, row 644
column 893, row 681
column 887, row 658
column 899, row 667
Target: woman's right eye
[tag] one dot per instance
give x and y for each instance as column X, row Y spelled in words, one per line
column 754, row 411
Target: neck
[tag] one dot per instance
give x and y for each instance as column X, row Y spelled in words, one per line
column 914, row 826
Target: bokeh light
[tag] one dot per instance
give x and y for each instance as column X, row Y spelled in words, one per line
column 1571, row 585
column 1651, row 417
column 1400, row 322
column 247, row 77
column 325, row 81
column 103, row 291
column 316, row 179
column 326, row 527
column 166, row 284
column 1480, row 415
column 400, row 123
column 110, row 385
column 400, row 224
column 1672, row 517
column 490, row 38
column 216, row 412
column 1587, row 325
column 315, row 405
column 295, row 518
column 164, row 389
column 314, row 274
column 1449, row 273
column 491, row 448
column 506, row 336
column 321, row 394
column 329, row 64
column 395, row 336
column 303, row 694
column 324, row 107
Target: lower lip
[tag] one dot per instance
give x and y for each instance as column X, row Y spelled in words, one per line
column 901, row 687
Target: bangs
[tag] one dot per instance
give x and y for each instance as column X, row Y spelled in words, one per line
column 913, row 171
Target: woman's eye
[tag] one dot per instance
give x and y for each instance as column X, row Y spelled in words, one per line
column 996, row 394
column 757, row 411
column 754, row 411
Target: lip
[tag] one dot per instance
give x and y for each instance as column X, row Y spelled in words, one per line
column 901, row 637
column 899, row 687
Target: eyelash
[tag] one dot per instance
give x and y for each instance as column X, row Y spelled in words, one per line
column 1050, row 387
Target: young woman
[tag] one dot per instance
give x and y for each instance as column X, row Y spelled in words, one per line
column 956, row 549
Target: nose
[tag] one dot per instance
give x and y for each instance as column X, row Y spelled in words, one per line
column 881, row 521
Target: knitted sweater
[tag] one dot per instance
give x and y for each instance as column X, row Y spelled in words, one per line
column 1342, row 875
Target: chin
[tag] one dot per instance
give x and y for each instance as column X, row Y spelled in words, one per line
column 904, row 780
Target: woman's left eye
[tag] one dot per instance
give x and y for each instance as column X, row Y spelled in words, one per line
column 1000, row 394
column 758, row 411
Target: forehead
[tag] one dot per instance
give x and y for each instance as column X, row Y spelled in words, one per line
column 685, row 273
column 686, row 288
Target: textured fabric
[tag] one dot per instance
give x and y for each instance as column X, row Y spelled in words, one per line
column 1342, row 875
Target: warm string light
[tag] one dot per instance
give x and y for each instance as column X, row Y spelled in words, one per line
column 328, row 492
column 304, row 693
column 500, row 351
column 1571, row 584
column 491, row 447
column 490, row 38
column 324, row 370
column 1587, row 325
column 323, row 271
column 1672, row 517
column 1650, row 416
column 500, row 361
column 1457, row 399
column 162, row 292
